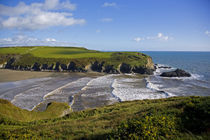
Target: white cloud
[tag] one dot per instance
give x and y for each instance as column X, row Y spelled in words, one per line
column 106, row 19
column 138, row 39
column 22, row 40
column 50, row 39
column 159, row 36
column 207, row 33
column 38, row 15
column 106, row 4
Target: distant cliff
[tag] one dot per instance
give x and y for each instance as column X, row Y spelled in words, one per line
column 72, row 59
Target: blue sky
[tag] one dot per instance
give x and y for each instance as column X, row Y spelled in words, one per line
column 109, row 25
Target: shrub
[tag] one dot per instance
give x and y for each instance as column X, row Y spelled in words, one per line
column 149, row 127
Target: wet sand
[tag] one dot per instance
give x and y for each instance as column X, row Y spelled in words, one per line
column 12, row 75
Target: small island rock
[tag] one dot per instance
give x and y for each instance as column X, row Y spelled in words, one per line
column 176, row 73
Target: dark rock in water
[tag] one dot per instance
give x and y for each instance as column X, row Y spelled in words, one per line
column 176, row 73
column 96, row 66
column 36, row 67
column 164, row 67
column 142, row 70
column 125, row 68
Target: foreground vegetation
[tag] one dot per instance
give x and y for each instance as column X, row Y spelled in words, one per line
column 172, row 118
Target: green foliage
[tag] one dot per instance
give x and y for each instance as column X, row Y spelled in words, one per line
column 144, row 119
column 196, row 115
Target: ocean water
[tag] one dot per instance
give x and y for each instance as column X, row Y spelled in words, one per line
column 196, row 63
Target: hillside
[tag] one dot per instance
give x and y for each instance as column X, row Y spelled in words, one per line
column 171, row 118
column 74, row 59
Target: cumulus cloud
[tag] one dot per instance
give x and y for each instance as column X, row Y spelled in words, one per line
column 106, row 19
column 159, row 36
column 22, row 40
column 106, row 4
column 207, row 33
column 38, row 15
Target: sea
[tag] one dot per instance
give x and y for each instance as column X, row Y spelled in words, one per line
column 196, row 63
column 89, row 91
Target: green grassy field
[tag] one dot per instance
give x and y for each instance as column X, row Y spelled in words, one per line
column 173, row 118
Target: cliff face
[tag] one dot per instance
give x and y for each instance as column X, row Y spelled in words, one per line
column 107, row 62
column 73, row 67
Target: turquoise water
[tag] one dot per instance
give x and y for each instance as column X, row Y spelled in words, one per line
column 197, row 63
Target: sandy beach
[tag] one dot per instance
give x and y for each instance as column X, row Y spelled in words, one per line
column 12, row 75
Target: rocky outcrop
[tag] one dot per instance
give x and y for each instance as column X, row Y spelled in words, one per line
column 36, row 67
column 176, row 73
column 142, row 70
column 150, row 64
column 9, row 63
column 44, row 67
column 110, row 69
column 96, row 66
column 125, row 68
column 72, row 67
column 63, row 67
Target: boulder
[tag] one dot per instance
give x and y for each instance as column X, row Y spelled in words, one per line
column 176, row 73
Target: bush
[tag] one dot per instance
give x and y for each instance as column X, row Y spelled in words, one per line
column 149, row 127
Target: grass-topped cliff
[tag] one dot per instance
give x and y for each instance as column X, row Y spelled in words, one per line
column 42, row 58
column 172, row 118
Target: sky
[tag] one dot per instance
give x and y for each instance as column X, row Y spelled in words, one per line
column 107, row 25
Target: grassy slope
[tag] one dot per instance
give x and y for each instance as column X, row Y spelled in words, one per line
column 49, row 55
column 98, row 123
column 9, row 111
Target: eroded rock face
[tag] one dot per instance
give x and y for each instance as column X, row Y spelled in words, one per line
column 50, row 67
column 125, row 68
column 96, row 66
column 110, row 69
column 9, row 63
column 176, row 73
column 142, row 70
column 64, row 67
column 72, row 67
column 57, row 66
column 44, row 67
column 36, row 67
